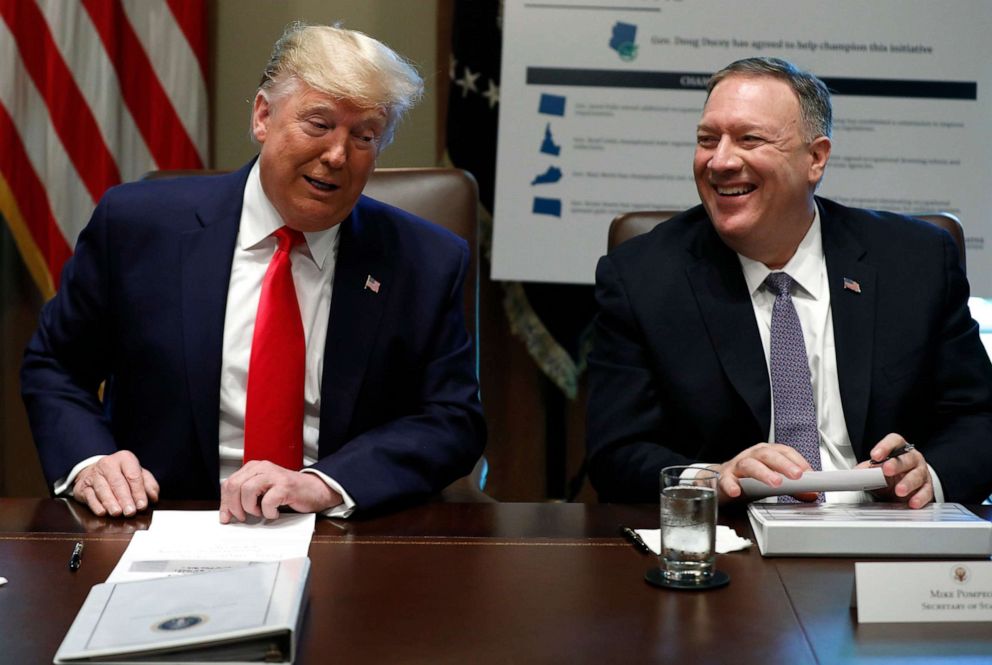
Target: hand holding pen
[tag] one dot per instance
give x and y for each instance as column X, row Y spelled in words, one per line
column 905, row 470
column 898, row 452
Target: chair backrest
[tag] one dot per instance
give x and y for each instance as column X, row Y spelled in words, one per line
column 630, row 224
column 952, row 225
column 447, row 197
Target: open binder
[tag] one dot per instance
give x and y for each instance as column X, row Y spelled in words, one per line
column 247, row 614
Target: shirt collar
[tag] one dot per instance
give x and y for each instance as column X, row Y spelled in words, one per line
column 259, row 219
column 804, row 267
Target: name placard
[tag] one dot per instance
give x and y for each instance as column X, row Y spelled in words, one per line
column 905, row 592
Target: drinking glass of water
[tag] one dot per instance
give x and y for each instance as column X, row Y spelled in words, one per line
column 688, row 524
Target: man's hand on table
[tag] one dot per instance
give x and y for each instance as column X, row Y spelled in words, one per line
column 260, row 488
column 116, row 485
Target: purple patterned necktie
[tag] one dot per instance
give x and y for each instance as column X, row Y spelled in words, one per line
column 792, row 392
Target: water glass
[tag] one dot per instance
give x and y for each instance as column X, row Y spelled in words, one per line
column 688, row 523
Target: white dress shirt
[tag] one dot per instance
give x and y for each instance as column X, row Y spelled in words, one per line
column 811, row 297
column 313, row 276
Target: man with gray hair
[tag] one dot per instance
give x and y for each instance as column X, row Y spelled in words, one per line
column 769, row 332
column 270, row 337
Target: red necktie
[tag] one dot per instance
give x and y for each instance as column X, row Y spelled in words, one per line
column 276, row 371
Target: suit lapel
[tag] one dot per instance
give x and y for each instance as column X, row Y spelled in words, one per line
column 207, row 253
column 721, row 293
column 854, row 321
column 356, row 310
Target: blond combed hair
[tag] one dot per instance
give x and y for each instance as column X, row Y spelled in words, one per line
column 347, row 65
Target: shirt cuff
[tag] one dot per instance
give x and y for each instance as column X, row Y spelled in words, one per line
column 343, row 509
column 693, row 469
column 938, row 489
column 63, row 486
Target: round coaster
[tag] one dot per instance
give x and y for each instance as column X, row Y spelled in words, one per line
column 655, row 577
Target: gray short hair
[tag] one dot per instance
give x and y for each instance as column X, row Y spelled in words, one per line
column 347, row 65
column 814, row 97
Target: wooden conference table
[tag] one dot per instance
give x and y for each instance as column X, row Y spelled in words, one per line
column 496, row 583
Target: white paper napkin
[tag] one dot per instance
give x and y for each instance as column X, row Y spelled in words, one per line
column 727, row 539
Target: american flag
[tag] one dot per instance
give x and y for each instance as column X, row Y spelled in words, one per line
column 851, row 285
column 92, row 93
column 372, row 284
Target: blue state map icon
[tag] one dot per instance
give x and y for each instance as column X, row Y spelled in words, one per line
column 623, row 40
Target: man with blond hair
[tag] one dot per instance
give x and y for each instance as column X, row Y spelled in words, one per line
column 271, row 337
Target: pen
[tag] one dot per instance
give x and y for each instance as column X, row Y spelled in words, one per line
column 637, row 541
column 894, row 454
column 76, row 560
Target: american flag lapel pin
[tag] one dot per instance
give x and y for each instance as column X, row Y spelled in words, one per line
column 372, row 284
column 851, row 285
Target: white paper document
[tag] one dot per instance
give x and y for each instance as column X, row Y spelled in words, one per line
column 248, row 614
column 853, row 480
column 180, row 542
column 869, row 529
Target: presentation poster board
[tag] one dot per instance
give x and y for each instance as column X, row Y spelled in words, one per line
column 599, row 102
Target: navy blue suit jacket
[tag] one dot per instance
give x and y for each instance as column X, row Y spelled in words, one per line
column 141, row 306
column 678, row 374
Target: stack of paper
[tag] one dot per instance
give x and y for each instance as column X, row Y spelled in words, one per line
column 183, row 541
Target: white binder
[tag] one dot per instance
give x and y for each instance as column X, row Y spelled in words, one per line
column 243, row 614
column 869, row 530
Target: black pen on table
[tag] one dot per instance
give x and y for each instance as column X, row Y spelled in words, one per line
column 634, row 538
column 894, row 454
column 76, row 560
